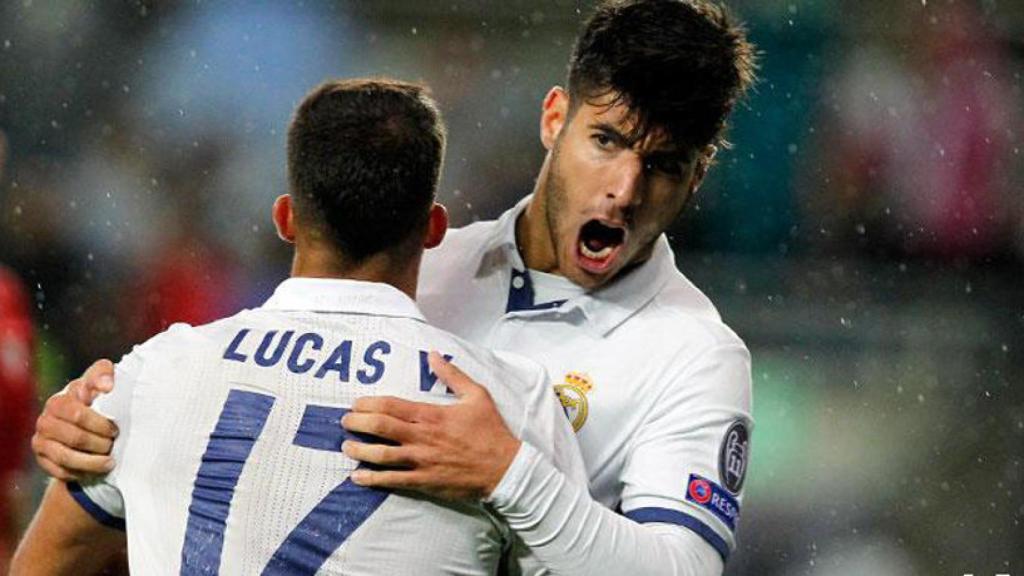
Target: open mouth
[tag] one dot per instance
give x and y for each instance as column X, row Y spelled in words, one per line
column 599, row 243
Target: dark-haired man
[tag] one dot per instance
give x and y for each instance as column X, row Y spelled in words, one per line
column 229, row 452
column 580, row 277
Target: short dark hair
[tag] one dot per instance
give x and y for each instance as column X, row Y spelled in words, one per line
column 678, row 65
column 364, row 159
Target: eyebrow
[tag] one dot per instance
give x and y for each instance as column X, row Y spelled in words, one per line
column 612, row 132
column 621, row 139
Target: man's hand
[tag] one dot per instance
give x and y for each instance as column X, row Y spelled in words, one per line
column 455, row 452
column 71, row 439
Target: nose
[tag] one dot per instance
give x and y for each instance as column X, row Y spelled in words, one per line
column 626, row 186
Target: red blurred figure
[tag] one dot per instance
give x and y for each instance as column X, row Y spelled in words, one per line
column 192, row 281
column 17, row 404
column 922, row 154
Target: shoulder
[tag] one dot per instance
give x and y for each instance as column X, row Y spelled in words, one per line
column 684, row 318
column 693, row 351
column 490, row 368
column 182, row 344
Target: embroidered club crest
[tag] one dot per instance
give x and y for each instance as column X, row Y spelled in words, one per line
column 572, row 393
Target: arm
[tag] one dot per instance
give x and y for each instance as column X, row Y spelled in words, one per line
column 64, row 539
column 681, row 483
column 80, row 528
column 570, row 533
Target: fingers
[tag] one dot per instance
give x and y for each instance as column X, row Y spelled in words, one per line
column 78, row 390
column 380, row 425
column 99, row 369
column 377, row 453
column 71, row 409
column 71, row 462
column 73, row 437
column 92, row 421
column 396, row 407
column 55, row 471
column 397, row 479
column 98, row 378
column 451, row 375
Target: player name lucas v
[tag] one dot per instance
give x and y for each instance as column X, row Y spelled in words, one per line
column 310, row 353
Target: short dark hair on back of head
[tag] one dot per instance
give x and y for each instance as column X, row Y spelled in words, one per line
column 364, row 159
column 678, row 65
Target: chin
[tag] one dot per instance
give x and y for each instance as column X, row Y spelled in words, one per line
column 589, row 280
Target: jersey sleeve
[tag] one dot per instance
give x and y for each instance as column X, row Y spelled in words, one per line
column 688, row 462
column 101, row 496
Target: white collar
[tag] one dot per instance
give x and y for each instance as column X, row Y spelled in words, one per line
column 607, row 307
column 337, row 295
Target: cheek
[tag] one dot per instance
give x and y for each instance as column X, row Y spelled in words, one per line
column 568, row 191
column 654, row 217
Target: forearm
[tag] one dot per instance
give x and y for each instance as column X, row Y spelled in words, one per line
column 35, row 557
column 571, row 533
column 64, row 539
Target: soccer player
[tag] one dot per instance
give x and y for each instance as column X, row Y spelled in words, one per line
column 229, row 449
column 579, row 276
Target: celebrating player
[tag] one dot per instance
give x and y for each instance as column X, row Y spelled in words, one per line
column 229, row 448
column 579, row 276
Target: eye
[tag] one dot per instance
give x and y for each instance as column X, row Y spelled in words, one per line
column 668, row 165
column 603, row 141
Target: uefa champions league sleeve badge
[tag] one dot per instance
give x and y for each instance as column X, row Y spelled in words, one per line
column 732, row 458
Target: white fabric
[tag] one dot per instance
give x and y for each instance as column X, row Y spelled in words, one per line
column 551, row 287
column 667, row 379
column 171, row 390
column 571, row 533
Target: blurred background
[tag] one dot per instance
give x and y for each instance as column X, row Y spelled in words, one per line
column 864, row 234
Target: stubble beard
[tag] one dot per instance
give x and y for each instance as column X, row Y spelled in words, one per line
column 555, row 205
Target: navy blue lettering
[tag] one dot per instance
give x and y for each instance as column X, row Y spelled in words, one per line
column 427, row 377
column 338, row 361
column 232, row 352
column 261, row 353
column 369, row 357
column 294, row 365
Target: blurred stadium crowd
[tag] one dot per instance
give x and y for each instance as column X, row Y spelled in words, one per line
column 865, row 233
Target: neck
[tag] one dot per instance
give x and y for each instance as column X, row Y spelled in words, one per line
column 533, row 235
column 322, row 262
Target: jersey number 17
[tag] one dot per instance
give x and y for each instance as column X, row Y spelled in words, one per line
column 316, row 537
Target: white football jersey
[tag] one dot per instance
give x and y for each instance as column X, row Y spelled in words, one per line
column 229, row 452
column 656, row 385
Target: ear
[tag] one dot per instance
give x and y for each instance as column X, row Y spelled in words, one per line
column 554, row 114
column 707, row 156
column 437, row 226
column 283, row 215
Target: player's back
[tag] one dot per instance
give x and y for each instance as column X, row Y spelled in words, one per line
column 230, row 454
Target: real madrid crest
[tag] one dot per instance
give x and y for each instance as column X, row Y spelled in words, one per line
column 572, row 393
